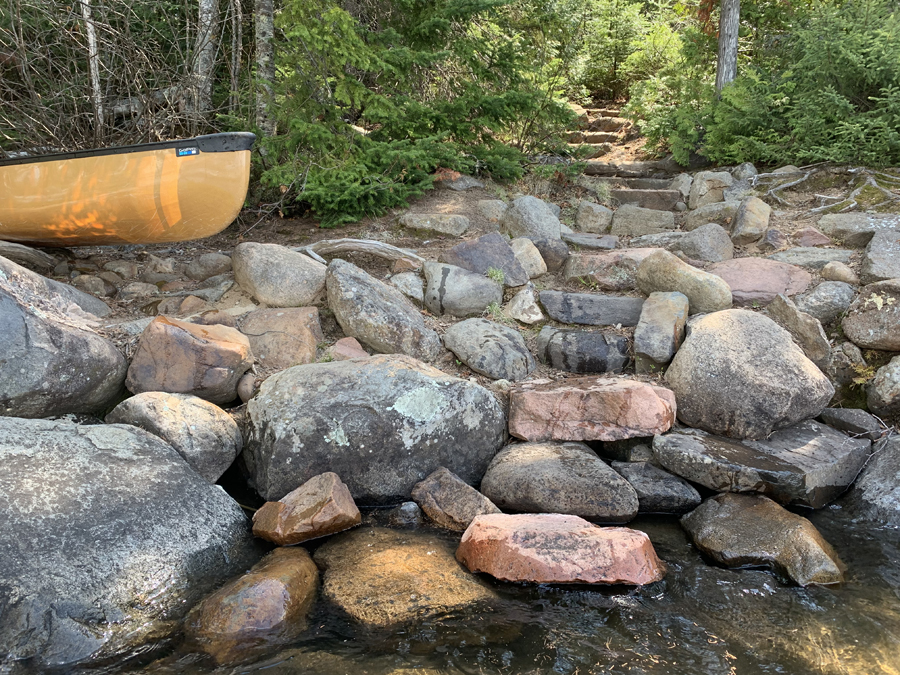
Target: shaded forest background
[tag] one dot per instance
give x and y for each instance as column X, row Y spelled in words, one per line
column 358, row 102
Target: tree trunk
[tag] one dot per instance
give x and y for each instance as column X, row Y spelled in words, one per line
column 237, row 22
column 265, row 65
column 94, row 65
column 205, row 56
column 729, row 22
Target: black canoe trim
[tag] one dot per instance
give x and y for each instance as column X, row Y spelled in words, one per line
column 230, row 142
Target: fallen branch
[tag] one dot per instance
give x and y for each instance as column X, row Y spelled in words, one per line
column 784, row 186
column 376, row 248
column 25, row 254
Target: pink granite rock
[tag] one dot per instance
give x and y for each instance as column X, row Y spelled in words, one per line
column 589, row 409
column 558, row 549
column 758, row 280
column 347, row 348
column 810, row 236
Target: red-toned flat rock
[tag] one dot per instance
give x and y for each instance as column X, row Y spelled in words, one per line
column 589, row 409
column 759, row 280
column 321, row 506
column 347, row 348
column 810, row 236
column 558, row 549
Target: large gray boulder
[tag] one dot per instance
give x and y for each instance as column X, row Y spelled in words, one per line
column 377, row 314
column 490, row 349
column 63, row 293
column 872, row 319
column 53, row 362
column 383, row 425
column 530, row 217
column 109, row 537
column 857, row 229
column 278, row 276
column 740, row 374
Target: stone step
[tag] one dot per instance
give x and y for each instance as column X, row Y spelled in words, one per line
column 603, row 112
column 590, row 150
column 655, row 168
column 593, row 137
column 631, row 183
column 607, row 124
column 660, row 200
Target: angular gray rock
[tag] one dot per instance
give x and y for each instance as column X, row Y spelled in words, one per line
column 666, row 240
column 811, row 257
column 437, row 223
column 62, row 293
column 742, row 530
column 558, row 478
column 523, row 307
column 458, row 292
column 530, row 217
column 634, row 221
column 744, row 171
column 883, row 392
column 492, row 251
column 597, row 242
column 740, row 374
column 660, row 331
column 490, row 349
column 378, row 314
column 208, row 265
column 881, row 260
column 709, row 187
column 590, row 309
column 827, row 301
column 278, row 276
column 121, row 539
column 554, row 251
column 53, row 362
column 876, row 494
column 805, row 329
column 709, row 243
column 751, row 221
column 719, row 212
column 854, row 422
column 872, row 318
column 529, row 257
column 411, row 285
column 608, row 271
column 809, row 464
column 386, row 423
column 449, row 501
column 593, row 218
column 206, row 436
column 682, row 182
column 658, row 490
column 665, row 272
column 856, row 229
column 577, row 351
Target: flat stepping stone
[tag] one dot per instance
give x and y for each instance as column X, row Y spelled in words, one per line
column 856, row 229
column 590, row 309
column 658, row 490
column 809, row 464
column 610, row 271
column 756, row 281
column 605, row 242
column 812, row 258
column 490, row 252
column 659, row 200
column 438, row 223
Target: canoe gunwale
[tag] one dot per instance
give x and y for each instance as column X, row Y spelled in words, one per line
column 226, row 142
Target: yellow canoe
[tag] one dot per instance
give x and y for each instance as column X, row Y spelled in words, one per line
column 136, row 194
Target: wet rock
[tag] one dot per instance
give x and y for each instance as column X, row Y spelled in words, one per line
column 720, row 212
column 558, row 478
column 597, row 242
column 810, row 236
column 872, row 318
column 709, row 187
column 812, row 258
column 881, row 260
column 612, row 271
column 740, row 374
column 523, row 307
column 827, row 301
column 808, row 464
column 346, row 349
column 490, row 252
column 321, row 506
column 577, row 351
column 589, row 409
column 382, row 577
column 854, row 422
column 490, row 349
column 404, row 417
column 411, row 285
column 284, row 337
column 756, row 281
column 558, row 549
column 633, row 221
column 530, row 217
column 208, row 265
column 491, row 210
column 883, row 392
column 593, row 218
column 805, row 329
column 773, row 240
column 260, row 610
column 876, row 494
column 53, row 362
column 553, row 251
column 407, row 516
column 838, row 271
column 458, row 292
column 137, row 538
column 751, row 221
column 202, row 433
column 184, row 358
column 660, row 331
column 449, row 501
column 857, row 229
column 742, row 530
column 278, row 276
column 529, row 257
column 377, row 314
column 658, row 491
column 664, row 272
column 591, row 309
column 436, row 223
column 709, row 243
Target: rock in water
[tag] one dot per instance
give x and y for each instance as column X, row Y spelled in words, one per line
column 278, row 276
column 382, row 577
column 490, row 349
column 742, row 530
column 558, row 549
column 321, row 506
column 259, row 610
column 377, row 314
column 558, row 478
column 740, row 374
column 808, row 464
column 53, row 362
column 449, row 501
column 118, row 541
column 205, row 435
column 876, row 495
column 385, row 423
column 589, row 409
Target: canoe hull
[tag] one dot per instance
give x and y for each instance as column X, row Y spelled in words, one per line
column 146, row 196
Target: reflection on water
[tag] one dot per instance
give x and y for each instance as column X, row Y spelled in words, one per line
column 700, row 619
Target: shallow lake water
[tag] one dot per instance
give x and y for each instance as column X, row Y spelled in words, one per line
column 700, row 619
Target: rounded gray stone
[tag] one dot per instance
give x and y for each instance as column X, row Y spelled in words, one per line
column 490, row 349
column 278, row 276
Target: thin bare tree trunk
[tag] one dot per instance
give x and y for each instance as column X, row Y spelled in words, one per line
column 205, row 56
column 729, row 23
column 237, row 21
column 94, row 63
column 265, row 65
